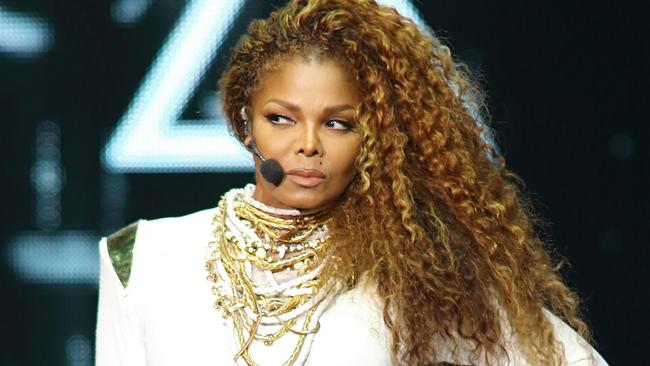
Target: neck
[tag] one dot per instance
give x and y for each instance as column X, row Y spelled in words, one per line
column 258, row 199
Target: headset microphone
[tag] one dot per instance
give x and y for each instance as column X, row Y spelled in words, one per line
column 270, row 168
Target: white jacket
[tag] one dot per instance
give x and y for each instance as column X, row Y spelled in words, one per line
column 165, row 316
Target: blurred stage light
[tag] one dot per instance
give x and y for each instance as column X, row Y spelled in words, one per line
column 622, row 146
column 129, row 11
column 24, row 35
column 610, row 241
column 63, row 257
column 48, row 176
column 149, row 137
column 78, row 351
column 407, row 9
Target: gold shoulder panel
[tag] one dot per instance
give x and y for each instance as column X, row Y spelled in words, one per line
column 120, row 250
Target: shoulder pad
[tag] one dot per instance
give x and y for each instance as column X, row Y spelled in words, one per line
column 120, row 250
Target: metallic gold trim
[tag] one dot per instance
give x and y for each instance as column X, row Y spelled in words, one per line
column 120, row 250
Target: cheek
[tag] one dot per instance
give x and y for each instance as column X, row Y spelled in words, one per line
column 342, row 161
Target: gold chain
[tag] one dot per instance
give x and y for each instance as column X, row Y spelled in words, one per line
column 287, row 229
column 234, row 257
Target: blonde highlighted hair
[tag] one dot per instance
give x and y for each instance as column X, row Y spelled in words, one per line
column 434, row 218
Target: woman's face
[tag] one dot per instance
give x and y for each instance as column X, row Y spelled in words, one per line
column 303, row 116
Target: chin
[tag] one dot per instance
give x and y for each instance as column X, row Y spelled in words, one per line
column 305, row 199
column 304, row 203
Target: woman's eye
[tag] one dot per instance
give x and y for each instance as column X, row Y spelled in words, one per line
column 337, row 124
column 279, row 119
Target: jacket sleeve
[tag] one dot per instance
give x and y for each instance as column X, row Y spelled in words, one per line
column 118, row 340
column 576, row 350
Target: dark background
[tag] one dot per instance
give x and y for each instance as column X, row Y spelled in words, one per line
column 567, row 87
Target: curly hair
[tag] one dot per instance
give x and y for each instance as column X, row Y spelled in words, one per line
column 449, row 237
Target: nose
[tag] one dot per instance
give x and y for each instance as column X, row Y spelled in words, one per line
column 309, row 143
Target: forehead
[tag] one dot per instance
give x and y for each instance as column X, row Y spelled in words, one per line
column 308, row 82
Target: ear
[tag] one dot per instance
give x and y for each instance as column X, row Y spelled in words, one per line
column 247, row 140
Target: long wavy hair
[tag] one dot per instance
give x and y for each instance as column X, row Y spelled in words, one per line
column 433, row 217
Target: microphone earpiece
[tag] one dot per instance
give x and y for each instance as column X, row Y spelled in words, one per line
column 244, row 117
column 271, row 169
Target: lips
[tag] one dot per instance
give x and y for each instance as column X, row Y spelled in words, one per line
column 307, row 173
column 308, row 178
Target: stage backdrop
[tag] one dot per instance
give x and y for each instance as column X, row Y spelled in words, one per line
column 110, row 113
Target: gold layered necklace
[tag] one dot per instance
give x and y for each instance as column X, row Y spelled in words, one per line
column 265, row 267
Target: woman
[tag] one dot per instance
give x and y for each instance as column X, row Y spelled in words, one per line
column 382, row 228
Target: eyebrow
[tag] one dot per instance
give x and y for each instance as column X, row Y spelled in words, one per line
column 295, row 108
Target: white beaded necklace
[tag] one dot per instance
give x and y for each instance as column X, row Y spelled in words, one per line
column 298, row 324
